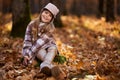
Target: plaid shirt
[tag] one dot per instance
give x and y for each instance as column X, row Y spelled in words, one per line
column 33, row 37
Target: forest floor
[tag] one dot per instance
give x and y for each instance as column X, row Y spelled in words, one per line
column 91, row 47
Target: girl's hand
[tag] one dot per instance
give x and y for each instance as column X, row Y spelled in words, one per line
column 26, row 60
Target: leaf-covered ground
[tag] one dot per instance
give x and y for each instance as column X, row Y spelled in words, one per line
column 91, row 46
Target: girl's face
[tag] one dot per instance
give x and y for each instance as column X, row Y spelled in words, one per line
column 46, row 16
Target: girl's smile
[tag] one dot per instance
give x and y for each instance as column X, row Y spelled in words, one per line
column 46, row 16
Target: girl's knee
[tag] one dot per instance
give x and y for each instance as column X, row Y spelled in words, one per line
column 41, row 54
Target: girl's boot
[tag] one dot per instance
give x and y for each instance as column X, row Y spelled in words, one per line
column 46, row 65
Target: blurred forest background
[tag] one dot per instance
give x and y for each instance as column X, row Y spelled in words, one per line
column 87, row 34
column 21, row 10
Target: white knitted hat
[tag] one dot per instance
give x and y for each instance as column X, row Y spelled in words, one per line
column 52, row 8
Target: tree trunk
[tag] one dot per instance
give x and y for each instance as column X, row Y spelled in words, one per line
column 100, row 8
column 75, row 7
column 63, row 8
column 110, row 15
column 69, row 4
column 32, row 4
column 7, row 6
column 118, row 7
column 1, row 1
column 36, row 6
column 58, row 3
column 20, row 17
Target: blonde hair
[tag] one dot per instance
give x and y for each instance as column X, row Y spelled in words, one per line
column 48, row 28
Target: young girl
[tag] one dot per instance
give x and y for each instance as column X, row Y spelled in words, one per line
column 39, row 41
